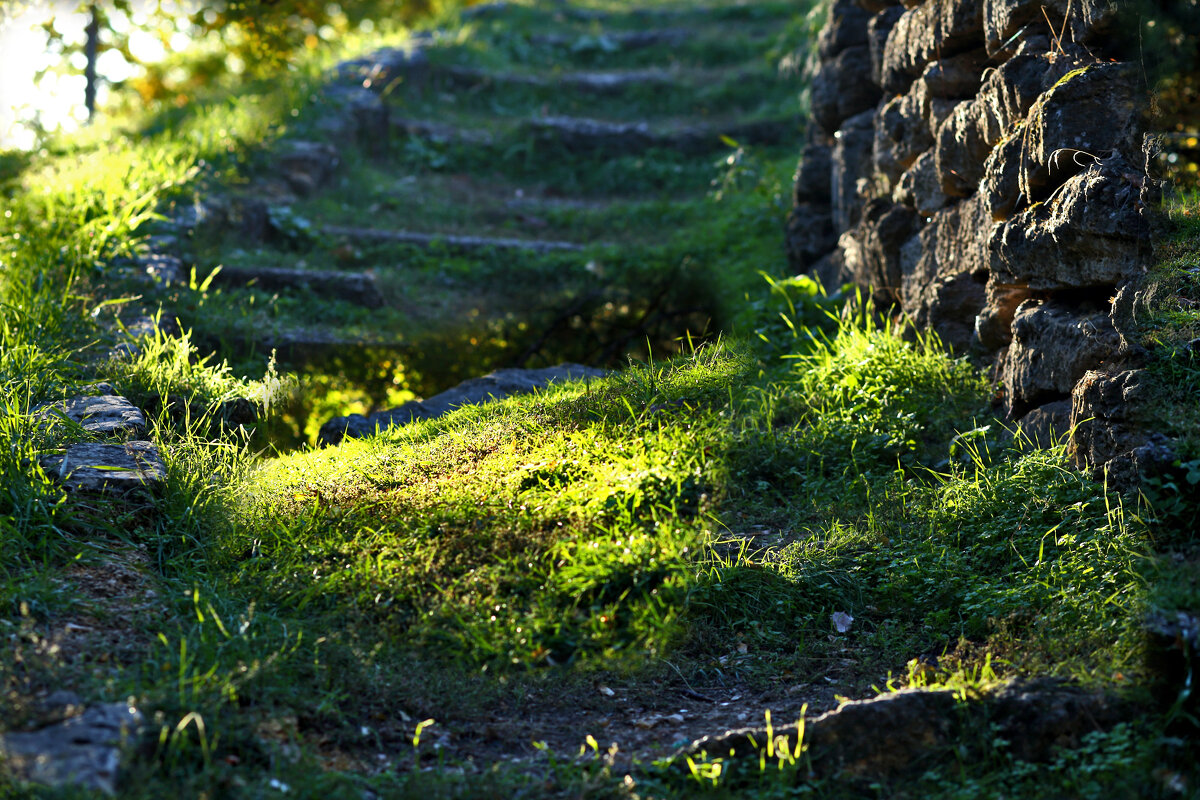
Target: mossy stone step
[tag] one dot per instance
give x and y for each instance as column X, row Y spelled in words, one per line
column 585, row 135
column 354, row 287
column 623, row 41
column 598, row 81
column 581, row 135
column 451, row 242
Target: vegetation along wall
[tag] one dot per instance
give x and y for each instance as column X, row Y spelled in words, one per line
column 980, row 165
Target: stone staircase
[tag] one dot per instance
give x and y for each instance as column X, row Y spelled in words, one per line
column 461, row 187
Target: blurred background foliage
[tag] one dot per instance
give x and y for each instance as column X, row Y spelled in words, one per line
column 1168, row 47
column 165, row 52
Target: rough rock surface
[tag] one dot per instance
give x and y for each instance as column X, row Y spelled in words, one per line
column 494, row 386
column 852, row 150
column 1091, row 234
column 935, row 29
column 919, row 187
column 1107, row 439
column 83, row 750
column 117, row 468
column 809, row 234
column 898, row 733
column 1053, row 345
column 874, row 254
column 1048, row 424
column 102, row 415
column 839, row 91
column 1093, row 111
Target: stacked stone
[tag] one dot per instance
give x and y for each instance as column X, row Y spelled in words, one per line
column 977, row 165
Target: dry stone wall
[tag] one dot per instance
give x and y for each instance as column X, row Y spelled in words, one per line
column 978, row 166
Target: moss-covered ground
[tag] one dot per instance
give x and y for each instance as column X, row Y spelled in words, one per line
column 546, row 596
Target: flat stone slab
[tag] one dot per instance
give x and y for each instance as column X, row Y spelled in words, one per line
column 888, row 734
column 493, row 386
column 84, row 750
column 103, row 415
column 459, row 243
column 439, row 131
column 599, row 82
column 354, row 287
column 111, row 467
column 579, row 134
column 617, row 40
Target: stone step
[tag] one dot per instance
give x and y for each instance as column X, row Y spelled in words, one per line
column 81, row 751
column 489, row 388
column 440, row 132
column 100, row 415
column 623, row 41
column 354, row 287
column 456, row 243
column 583, row 135
column 108, row 468
column 599, row 82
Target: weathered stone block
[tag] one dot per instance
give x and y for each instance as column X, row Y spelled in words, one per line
column 852, row 149
column 1091, row 234
column 354, row 287
column 877, row 6
column 847, row 27
column 82, row 751
column 306, row 166
column 1091, row 111
column 956, row 77
column 919, row 187
column 493, row 386
column 831, row 271
column 809, row 234
column 933, row 30
column 1053, row 345
column 813, row 173
column 1106, row 437
column 901, row 135
column 993, row 325
column 840, row 90
column 944, row 272
column 953, row 241
column 965, row 140
column 1047, row 424
column 878, row 30
column 1007, row 23
column 874, row 252
column 102, row 415
column 1000, row 186
column 116, row 468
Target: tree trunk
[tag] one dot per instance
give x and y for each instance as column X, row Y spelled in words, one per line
column 90, row 51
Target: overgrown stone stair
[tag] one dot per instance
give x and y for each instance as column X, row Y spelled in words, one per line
column 575, row 115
